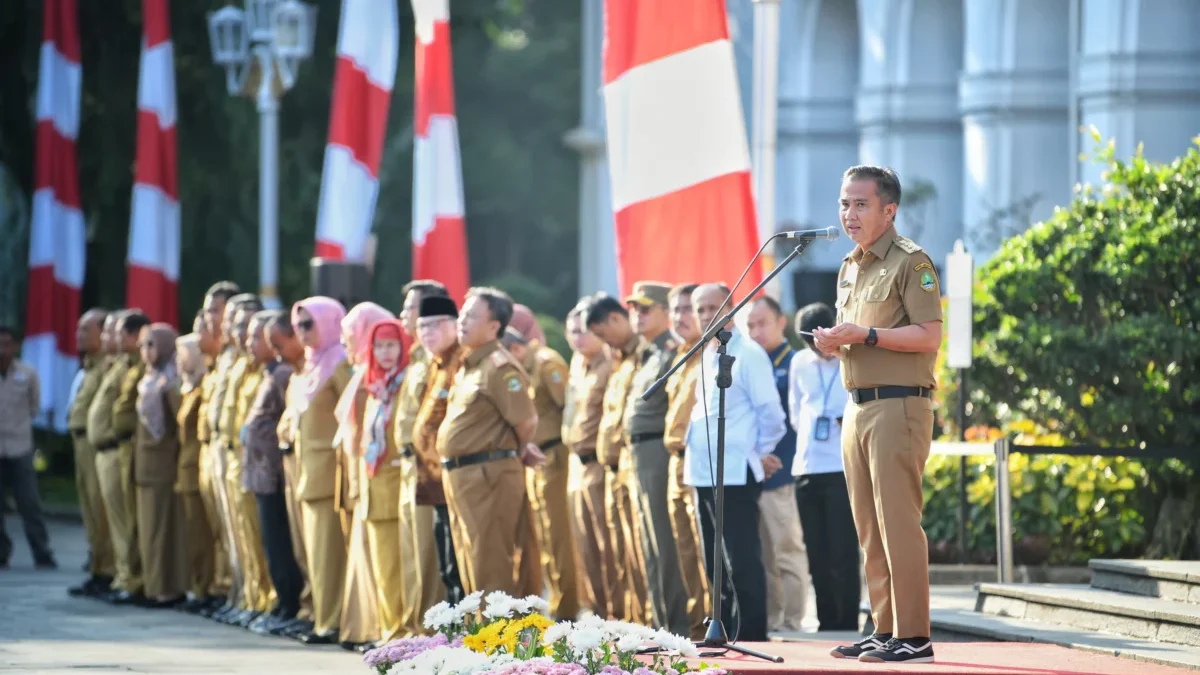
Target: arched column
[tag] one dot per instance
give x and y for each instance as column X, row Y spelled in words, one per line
column 1139, row 77
column 907, row 110
column 1014, row 97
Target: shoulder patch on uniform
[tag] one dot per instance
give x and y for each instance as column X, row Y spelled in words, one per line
column 907, row 245
column 556, row 376
column 927, row 282
column 499, row 358
column 922, row 266
column 514, row 383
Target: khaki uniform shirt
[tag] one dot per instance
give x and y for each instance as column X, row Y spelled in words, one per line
column 100, row 412
column 247, row 391
column 589, row 379
column 216, row 397
column 94, row 368
column 314, row 432
column 156, row 460
column 124, row 416
column 442, row 372
column 187, row 478
column 490, row 397
column 207, row 385
column 681, row 398
column 548, row 375
column 412, row 392
column 227, row 427
column 891, row 285
column 611, row 439
column 379, row 496
column 20, row 401
column 653, row 359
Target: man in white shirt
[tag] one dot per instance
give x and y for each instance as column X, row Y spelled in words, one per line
column 817, row 400
column 754, row 423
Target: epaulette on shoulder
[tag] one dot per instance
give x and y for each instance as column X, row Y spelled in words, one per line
column 544, row 355
column 499, row 358
column 907, row 245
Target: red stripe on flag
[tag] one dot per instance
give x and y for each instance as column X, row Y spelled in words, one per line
column 434, row 78
column 330, row 250
column 156, row 22
column 703, row 233
column 153, row 293
column 60, row 25
column 156, row 164
column 53, row 307
column 637, row 32
column 56, row 165
column 443, row 257
column 359, row 117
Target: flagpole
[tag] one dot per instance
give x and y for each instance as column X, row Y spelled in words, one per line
column 765, row 112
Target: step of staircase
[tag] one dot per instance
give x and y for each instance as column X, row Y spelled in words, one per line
column 1177, row 580
column 1096, row 609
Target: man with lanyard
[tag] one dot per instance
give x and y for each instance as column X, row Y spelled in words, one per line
column 784, row 557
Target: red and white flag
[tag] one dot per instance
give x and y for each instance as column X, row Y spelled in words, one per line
column 154, row 217
column 439, row 232
column 57, row 244
column 677, row 151
column 368, row 45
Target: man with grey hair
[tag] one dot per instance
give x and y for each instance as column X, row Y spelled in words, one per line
column 754, row 424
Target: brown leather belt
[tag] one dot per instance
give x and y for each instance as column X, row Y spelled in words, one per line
column 550, row 444
column 478, row 458
column 881, row 393
column 589, row 458
column 634, row 439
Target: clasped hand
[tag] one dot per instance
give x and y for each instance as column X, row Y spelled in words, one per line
column 831, row 340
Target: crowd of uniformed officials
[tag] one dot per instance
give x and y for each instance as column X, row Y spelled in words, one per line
column 328, row 474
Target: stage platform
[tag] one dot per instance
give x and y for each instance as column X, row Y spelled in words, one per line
column 952, row 658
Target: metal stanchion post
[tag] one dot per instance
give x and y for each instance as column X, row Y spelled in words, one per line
column 1004, row 532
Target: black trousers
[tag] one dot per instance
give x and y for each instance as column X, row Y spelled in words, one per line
column 832, row 544
column 19, row 478
column 744, row 588
column 447, row 563
column 281, row 558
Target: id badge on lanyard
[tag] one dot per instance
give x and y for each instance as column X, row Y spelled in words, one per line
column 823, row 425
column 821, row 428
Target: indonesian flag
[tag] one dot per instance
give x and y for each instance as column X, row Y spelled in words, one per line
column 154, row 217
column 439, row 233
column 677, row 151
column 57, row 244
column 368, row 44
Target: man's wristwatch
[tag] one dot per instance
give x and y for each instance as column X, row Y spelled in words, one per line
column 872, row 338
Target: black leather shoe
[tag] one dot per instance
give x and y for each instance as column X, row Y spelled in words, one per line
column 126, row 598
column 82, row 590
column 47, row 563
column 364, row 647
column 320, row 638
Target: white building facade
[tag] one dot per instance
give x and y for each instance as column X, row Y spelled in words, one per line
column 975, row 103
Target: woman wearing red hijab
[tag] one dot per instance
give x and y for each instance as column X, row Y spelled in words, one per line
column 379, row 497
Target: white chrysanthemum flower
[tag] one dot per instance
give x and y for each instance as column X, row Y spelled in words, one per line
column 675, row 643
column 593, row 622
column 557, row 632
column 537, row 604
column 499, row 605
column 469, row 604
column 629, row 643
column 586, row 639
column 439, row 616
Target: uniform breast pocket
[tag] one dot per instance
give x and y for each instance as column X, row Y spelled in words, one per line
column 878, row 305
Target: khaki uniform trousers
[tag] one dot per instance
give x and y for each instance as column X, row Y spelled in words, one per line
column 547, row 489
column 681, row 502
column 383, row 541
column 122, row 520
column 326, row 548
column 162, row 541
column 784, row 558
column 422, row 585
column 200, row 548
column 591, row 534
column 239, row 524
column 91, row 504
column 291, row 476
column 629, row 588
column 884, row 447
column 212, row 518
column 485, row 505
column 360, row 596
column 228, row 524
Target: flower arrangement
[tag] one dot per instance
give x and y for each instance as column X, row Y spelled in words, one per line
column 502, row 635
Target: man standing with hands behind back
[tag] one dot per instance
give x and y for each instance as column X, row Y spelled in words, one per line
column 889, row 330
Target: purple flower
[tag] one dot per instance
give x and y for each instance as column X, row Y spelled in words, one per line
column 402, row 650
column 538, row 666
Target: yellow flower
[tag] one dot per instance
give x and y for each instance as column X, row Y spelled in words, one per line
column 513, row 631
column 487, row 640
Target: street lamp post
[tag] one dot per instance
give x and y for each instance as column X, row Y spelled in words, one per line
column 261, row 50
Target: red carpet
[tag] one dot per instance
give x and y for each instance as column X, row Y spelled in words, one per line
column 957, row 658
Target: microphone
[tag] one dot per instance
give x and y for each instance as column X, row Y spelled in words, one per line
column 825, row 234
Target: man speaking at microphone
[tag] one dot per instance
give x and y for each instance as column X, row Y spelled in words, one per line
column 888, row 332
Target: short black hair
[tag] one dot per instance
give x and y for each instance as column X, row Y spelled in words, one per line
column 603, row 306
column 887, row 182
column 426, row 287
column 811, row 317
column 133, row 321
column 247, row 301
column 771, row 303
column 713, row 285
column 500, row 305
column 9, row 331
column 681, row 289
column 281, row 319
column 223, row 290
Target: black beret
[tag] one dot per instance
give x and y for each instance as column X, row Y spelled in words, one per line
column 432, row 305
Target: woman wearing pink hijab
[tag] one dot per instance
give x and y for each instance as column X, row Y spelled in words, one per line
column 360, row 615
column 313, row 396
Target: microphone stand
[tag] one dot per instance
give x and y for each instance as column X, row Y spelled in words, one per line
column 715, row 636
